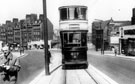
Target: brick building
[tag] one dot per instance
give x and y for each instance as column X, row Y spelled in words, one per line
column 16, row 31
column 23, row 31
column 36, row 32
column 10, row 32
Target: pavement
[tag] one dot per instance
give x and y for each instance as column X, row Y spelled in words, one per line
column 110, row 53
column 81, row 76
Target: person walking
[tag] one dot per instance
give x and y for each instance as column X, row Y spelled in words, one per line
column 21, row 50
column 9, row 67
column 49, row 55
column 115, row 51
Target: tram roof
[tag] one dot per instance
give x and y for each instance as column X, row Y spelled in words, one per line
column 82, row 6
column 73, row 30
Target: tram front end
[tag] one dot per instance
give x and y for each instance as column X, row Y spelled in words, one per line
column 74, row 49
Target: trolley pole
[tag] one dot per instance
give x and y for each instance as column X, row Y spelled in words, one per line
column 21, row 39
column 45, row 33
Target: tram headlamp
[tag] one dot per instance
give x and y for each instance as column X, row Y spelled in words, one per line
column 74, row 55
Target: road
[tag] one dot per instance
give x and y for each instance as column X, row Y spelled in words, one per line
column 34, row 63
column 121, row 70
column 31, row 66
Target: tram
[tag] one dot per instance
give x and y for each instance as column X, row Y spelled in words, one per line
column 73, row 26
column 127, row 40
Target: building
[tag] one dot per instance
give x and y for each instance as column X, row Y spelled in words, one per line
column 24, row 31
column 3, row 34
column 102, row 31
column 23, row 34
column 16, row 31
column 31, row 18
column 100, row 34
column 36, row 31
column 10, row 32
column 29, row 32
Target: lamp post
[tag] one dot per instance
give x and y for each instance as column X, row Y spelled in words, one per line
column 45, row 33
column 21, row 38
column 6, row 35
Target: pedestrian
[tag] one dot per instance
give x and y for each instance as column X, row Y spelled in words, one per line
column 9, row 67
column 49, row 56
column 115, row 51
column 21, row 50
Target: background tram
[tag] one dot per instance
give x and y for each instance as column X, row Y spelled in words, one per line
column 73, row 32
column 128, row 46
column 127, row 40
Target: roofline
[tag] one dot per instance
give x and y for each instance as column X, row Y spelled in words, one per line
column 128, row 26
column 69, row 6
column 121, row 21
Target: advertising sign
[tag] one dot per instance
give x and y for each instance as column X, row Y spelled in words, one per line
column 114, row 40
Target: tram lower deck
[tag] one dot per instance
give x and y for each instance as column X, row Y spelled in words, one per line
column 74, row 49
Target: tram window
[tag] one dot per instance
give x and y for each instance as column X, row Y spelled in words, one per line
column 82, row 14
column 129, row 32
column 63, row 14
column 76, row 13
column 71, row 13
column 76, row 38
column 72, row 39
column 84, row 40
column 65, row 41
column 65, row 38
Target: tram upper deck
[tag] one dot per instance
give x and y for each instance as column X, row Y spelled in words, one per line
column 73, row 17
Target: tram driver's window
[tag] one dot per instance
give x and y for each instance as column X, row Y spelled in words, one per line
column 76, row 38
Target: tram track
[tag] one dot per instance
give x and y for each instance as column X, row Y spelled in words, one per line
column 79, row 77
column 65, row 76
column 91, row 76
column 84, row 76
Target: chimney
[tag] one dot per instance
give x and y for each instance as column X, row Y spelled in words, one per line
column 133, row 16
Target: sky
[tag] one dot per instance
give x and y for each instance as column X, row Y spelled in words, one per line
column 97, row 9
